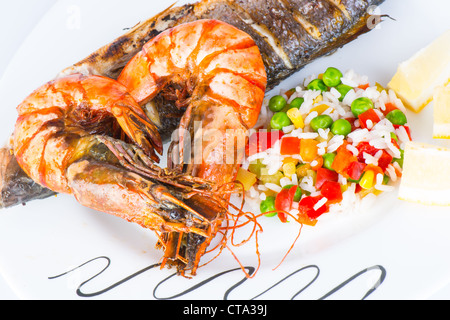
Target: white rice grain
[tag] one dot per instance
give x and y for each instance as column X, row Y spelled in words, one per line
column 323, row 133
column 342, row 180
column 285, row 181
column 288, row 129
column 349, row 98
column 307, row 184
column 262, row 187
column 274, row 187
column 320, row 203
column 294, row 179
column 369, row 159
column 308, row 135
column 379, row 179
column 352, row 149
column 335, row 93
column 310, row 116
column 384, row 188
column 253, row 192
column 390, row 170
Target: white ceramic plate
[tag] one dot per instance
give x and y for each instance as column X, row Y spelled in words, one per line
column 57, row 249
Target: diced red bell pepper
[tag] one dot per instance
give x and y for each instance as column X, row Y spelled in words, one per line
column 389, row 107
column 306, row 206
column 290, row 145
column 385, row 160
column 364, row 86
column 332, row 191
column 343, row 159
column 366, row 116
column 284, row 201
column 355, row 170
column 365, row 146
column 262, row 140
column 352, row 122
column 324, row 175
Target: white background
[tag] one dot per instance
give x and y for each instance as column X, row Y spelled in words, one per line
column 18, row 18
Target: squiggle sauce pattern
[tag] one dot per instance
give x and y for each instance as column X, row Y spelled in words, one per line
column 182, row 294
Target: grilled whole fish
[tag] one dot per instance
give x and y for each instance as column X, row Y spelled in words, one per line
column 288, row 33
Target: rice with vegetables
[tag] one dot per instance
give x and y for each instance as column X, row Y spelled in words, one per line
column 324, row 147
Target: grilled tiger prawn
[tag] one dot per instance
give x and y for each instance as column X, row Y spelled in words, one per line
column 65, row 140
column 218, row 74
column 88, row 135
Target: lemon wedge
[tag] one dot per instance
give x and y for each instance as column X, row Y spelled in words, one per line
column 426, row 174
column 441, row 126
column 417, row 78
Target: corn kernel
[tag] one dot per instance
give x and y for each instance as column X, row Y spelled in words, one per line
column 318, row 99
column 302, row 170
column 296, row 118
column 367, row 180
column 344, row 187
column 320, row 108
column 289, row 169
column 247, row 178
column 290, row 159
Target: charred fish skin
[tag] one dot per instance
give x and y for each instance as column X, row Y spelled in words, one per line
column 289, row 33
column 16, row 187
column 292, row 33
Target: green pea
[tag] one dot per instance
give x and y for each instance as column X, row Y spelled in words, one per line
column 361, row 105
column 296, row 103
column 341, row 127
column 321, row 122
column 394, row 136
column 397, row 117
column 277, row 103
column 298, row 192
column 401, row 159
column 343, row 89
column 268, row 205
column 280, row 120
column 328, row 159
column 332, row 77
column 318, row 85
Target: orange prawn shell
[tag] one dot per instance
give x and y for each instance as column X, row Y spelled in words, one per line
column 221, row 58
column 52, row 119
